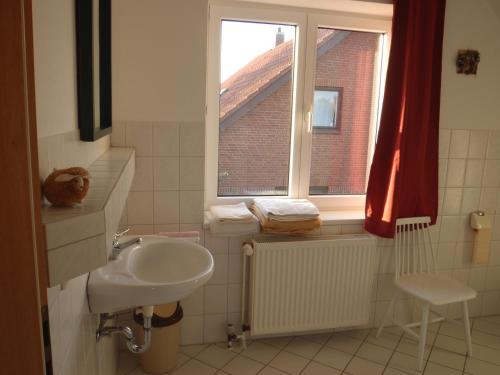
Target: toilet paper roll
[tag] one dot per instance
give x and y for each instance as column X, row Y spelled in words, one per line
column 481, row 250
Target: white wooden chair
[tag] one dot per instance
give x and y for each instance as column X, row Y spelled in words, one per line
column 416, row 274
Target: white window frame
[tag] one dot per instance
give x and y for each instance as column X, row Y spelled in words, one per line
column 307, row 22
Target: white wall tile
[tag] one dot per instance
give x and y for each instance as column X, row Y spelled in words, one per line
column 488, row 200
column 140, row 208
column 459, row 144
column 452, row 201
column 477, row 144
column 446, row 255
column 192, row 139
column 143, row 178
column 215, row 328
column 449, row 226
column 166, row 207
column 215, row 299
column 235, row 269
column 192, row 330
column 140, row 136
column 492, row 278
column 455, row 173
column 118, row 134
column 470, row 200
column 491, row 176
column 166, row 139
column 444, row 142
column 234, row 298
column 477, row 279
column 191, row 206
column 474, row 173
column 166, row 173
column 192, row 173
column 443, row 170
column 220, row 272
column 193, row 304
column 493, row 151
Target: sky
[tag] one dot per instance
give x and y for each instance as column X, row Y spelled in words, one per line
column 241, row 42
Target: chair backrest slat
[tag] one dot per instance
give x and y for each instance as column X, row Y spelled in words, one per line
column 413, row 247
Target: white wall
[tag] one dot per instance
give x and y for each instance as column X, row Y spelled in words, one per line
column 55, row 66
column 158, row 66
column 471, row 102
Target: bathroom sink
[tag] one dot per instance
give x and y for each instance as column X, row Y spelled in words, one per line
column 158, row 270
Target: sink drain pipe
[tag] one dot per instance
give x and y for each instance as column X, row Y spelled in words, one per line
column 147, row 313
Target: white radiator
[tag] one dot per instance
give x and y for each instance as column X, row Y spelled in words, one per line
column 311, row 284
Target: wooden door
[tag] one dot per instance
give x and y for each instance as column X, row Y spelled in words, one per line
column 22, row 254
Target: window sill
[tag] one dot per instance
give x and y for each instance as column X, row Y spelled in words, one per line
column 328, row 218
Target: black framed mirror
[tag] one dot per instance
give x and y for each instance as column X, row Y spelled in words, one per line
column 93, row 56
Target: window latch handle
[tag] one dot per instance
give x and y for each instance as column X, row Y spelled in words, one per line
column 309, row 121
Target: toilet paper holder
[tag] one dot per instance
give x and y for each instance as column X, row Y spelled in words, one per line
column 478, row 220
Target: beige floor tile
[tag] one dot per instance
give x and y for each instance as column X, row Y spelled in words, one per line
column 260, row 352
column 360, row 366
column 386, row 340
column 271, row 371
column 448, row 359
column 485, row 353
column 345, row 343
column 290, row 363
column 137, row 371
column 195, row 367
column 181, row 359
column 333, row 358
column 320, row 338
column 486, row 339
column 490, row 319
column 450, row 343
column 192, row 350
column 126, row 363
column 279, row 342
column 242, row 366
column 303, row 347
column 359, row 334
column 435, row 369
column 403, row 362
column 487, row 327
column 393, row 371
column 215, row 356
column 374, row 353
column 410, row 347
column 476, row 367
column 453, row 330
column 315, row 368
column 431, row 337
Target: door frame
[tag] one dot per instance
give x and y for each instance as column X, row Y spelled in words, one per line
column 23, row 279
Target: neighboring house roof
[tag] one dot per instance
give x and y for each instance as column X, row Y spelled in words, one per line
column 264, row 74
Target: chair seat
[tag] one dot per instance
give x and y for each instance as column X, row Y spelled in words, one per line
column 435, row 289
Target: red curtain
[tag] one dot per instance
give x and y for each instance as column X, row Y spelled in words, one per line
column 404, row 174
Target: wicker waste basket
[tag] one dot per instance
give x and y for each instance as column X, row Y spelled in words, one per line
column 165, row 337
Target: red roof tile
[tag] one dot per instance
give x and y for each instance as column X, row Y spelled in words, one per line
column 258, row 74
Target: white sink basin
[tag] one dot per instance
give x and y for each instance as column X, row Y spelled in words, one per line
column 158, row 270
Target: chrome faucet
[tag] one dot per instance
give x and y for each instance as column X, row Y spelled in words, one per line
column 118, row 247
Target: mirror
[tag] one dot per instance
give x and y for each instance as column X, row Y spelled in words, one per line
column 93, row 55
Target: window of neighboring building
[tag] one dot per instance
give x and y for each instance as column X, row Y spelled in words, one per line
column 265, row 68
column 326, row 108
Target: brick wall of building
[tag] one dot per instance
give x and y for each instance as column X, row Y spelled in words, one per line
column 254, row 151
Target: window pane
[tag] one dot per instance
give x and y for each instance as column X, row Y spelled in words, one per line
column 344, row 103
column 325, row 108
column 255, row 108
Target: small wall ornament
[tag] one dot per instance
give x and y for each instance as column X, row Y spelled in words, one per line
column 467, row 61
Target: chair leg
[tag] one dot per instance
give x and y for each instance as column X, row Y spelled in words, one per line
column 422, row 337
column 467, row 328
column 386, row 314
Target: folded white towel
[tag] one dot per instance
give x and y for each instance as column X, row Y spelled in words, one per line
column 287, row 209
column 232, row 212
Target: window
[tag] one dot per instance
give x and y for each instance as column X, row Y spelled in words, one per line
column 292, row 104
column 326, row 107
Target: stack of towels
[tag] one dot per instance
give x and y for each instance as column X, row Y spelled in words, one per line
column 294, row 216
column 232, row 219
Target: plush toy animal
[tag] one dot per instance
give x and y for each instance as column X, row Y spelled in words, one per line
column 65, row 187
